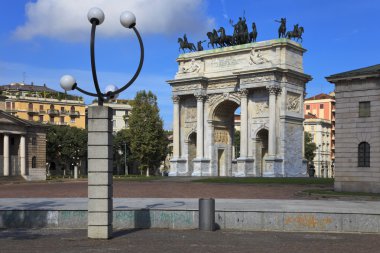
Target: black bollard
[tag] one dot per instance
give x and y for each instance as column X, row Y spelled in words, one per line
column 207, row 214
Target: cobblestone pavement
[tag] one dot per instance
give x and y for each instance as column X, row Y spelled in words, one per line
column 184, row 241
column 180, row 188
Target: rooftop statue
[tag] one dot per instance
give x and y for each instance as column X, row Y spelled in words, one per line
column 253, row 34
column 296, row 33
column 184, row 44
column 199, row 45
column 282, row 28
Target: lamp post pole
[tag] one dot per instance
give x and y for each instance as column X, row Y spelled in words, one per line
column 100, row 204
column 125, row 159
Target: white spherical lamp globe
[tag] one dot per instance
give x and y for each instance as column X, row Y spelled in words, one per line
column 111, row 88
column 95, row 14
column 128, row 19
column 68, row 82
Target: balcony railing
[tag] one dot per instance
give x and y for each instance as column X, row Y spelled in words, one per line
column 61, row 123
column 53, row 112
column 11, row 110
column 62, row 112
column 33, row 112
column 74, row 113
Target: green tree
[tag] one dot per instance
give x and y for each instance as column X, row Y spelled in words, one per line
column 310, row 147
column 121, row 143
column 64, row 144
column 147, row 139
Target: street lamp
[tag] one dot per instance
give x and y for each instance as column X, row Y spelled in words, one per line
column 100, row 133
column 96, row 17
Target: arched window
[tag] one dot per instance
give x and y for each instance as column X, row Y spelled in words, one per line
column 364, row 154
column 34, row 162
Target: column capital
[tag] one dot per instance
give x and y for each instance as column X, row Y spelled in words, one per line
column 274, row 89
column 176, row 99
column 243, row 92
column 200, row 95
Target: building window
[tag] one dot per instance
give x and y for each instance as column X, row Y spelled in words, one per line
column 8, row 105
column 34, row 162
column 72, row 109
column 51, row 119
column 34, row 141
column 363, row 154
column 41, row 118
column 30, row 117
column 307, row 107
column 41, row 107
column 364, row 109
column 72, row 120
column 62, row 119
column 30, row 106
column 321, row 106
column 114, row 112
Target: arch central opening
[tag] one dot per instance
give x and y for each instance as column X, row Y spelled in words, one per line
column 226, row 126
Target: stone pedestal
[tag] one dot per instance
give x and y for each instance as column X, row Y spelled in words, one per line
column 244, row 165
column 273, row 167
column 100, row 172
column 201, row 167
column 178, row 167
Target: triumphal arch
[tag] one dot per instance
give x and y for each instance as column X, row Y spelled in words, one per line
column 266, row 80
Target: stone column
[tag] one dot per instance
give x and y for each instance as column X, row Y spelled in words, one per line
column 176, row 127
column 273, row 165
column 201, row 165
column 243, row 123
column 22, row 156
column 273, row 91
column 100, row 172
column 200, row 139
column 6, row 155
column 244, row 163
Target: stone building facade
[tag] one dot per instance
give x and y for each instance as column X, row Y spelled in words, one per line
column 266, row 80
column 320, row 123
column 44, row 105
column 22, row 148
column 357, row 144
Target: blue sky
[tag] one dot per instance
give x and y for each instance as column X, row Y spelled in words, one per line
column 42, row 40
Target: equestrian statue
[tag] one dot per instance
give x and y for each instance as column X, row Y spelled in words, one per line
column 184, row 44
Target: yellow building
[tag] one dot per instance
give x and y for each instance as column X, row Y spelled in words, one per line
column 42, row 104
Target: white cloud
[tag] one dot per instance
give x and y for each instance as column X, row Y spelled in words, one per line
column 67, row 19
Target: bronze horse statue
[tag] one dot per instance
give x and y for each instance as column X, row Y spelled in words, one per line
column 183, row 45
column 296, row 33
column 214, row 39
column 225, row 40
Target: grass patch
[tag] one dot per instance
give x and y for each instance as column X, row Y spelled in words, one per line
column 138, row 178
column 334, row 193
column 268, row 180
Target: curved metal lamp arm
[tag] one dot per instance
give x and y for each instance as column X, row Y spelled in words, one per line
column 93, row 67
column 86, row 92
column 138, row 69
